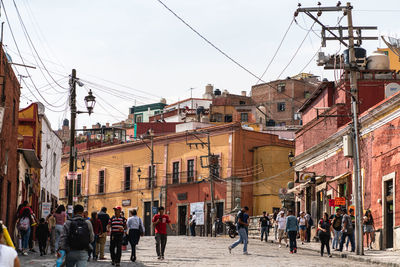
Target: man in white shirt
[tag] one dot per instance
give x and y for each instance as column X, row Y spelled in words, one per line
column 193, row 224
column 9, row 256
column 281, row 220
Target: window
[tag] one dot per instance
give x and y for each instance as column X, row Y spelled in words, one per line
column 101, row 186
column 175, row 172
column 228, row 118
column 138, row 118
column 244, row 117
column 78, row 185
column 281, row 87
column 154, row 177
column 307, row 94
column 190, row 170
column 127, row 178
column 218, row 117
column 281, row 106
column 242, row 102
column 297, row 116
column 54, row 163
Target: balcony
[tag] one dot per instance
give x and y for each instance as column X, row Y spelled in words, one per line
column 181, row 177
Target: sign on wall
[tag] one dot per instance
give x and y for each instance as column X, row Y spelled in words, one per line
column 46, row 209
column 198, row 209
column 340, row 201
column 126, row 202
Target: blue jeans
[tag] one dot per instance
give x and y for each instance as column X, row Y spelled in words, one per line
column 242, row 237
column 25, row 238
column 59, row 230
column 336, row 239
column 76, row 258
column 351, row 238
column 264, row 230
column 292, row 240
column 93, row 251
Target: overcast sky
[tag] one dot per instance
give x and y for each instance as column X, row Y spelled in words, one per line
column 140, row 44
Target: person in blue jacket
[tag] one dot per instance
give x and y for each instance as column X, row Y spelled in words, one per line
column 292, row 227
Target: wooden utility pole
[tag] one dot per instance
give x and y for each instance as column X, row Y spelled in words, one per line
column 152, row 182
column 353, row 69
column 72, row 84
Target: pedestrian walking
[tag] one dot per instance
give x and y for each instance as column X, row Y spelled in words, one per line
column 135, row 231
column 8, row 255
column 51, row 221
column 310, row 223
column 324, row 234
column 242, row 225
column 347, row 231
column 117, row 225
column 263, row 224
column 97, row 231
column 160, row 222
column 275, row 216
column 353, row 223
column 193, row 224
column 60, row 215
column 75, row 239
column 369, row 228
column 42, row 234
column 302, row 226
column 101, row 240
column 292, row 227
column 24, row 228
column 337, row 227
column 281, row 222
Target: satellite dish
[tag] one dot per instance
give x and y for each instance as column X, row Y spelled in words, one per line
column 391, row 89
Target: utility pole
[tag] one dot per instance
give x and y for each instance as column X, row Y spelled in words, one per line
column 353, row 69
column 152, row 182
column 72, row 103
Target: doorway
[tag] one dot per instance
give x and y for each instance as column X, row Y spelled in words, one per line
column 148, row 216
column 182, row 219
column 389, row 213
column 208, row 220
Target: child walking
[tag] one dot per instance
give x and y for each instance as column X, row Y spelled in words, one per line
column 42, row 234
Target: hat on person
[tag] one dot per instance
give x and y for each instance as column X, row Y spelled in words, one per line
column 117, row 208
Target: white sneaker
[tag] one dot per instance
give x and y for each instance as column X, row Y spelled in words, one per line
column 245, row 253
column 280, row 246
column 25, row 253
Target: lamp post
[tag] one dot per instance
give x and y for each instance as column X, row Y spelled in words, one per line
column 90, row 101
column 291, row 158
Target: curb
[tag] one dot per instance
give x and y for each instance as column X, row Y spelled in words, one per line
column 365, row 259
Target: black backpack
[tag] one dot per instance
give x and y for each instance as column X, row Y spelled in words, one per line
column 79, row 236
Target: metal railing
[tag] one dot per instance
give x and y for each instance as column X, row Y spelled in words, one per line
column 101, row 189
column 181, row 177
column 127, row 185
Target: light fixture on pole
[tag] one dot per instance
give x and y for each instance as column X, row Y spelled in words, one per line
column 291, row 158
column 139, row 173
column 90, row 101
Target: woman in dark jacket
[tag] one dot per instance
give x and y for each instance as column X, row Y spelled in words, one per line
column 324, row 234
column 136, row 229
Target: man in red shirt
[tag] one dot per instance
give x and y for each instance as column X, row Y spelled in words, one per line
column 160, row 222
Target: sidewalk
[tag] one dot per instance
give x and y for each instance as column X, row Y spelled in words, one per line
column 381, row 257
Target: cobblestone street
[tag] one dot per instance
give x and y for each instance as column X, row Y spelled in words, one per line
column 200, row 251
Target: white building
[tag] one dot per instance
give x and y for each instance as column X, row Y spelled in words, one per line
column 51, row 163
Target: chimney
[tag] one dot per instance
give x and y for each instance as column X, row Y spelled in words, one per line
column 243, row 93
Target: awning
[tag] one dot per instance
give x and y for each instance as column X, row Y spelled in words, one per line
column 339, row 177
column 31, row 158
column 320, row 187
column 294, row 189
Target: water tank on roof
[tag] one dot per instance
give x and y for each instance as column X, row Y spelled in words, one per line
column 65, row 122
column 391, row 89
column 200, row 110
column 217, row 92
column 378, row 61
column 163, row 100
column 360, row 54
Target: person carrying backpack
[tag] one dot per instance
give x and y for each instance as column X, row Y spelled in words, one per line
column 347, row 231
column 76, row 238
column 337, row 227
column 24, row 228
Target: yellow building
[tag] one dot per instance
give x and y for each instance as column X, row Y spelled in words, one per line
column 274, row 174
column 393, row 58
column 111, row 175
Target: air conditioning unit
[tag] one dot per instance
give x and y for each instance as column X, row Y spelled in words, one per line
column 347, row 146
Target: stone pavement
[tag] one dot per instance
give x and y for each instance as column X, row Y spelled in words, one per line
column 207, row 251
column 381, row 257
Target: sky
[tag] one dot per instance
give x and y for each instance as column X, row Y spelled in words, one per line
column 136, row 51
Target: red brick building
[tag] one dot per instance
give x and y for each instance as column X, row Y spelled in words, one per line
column 281, row 99
column 324, row 151
column 9, row 105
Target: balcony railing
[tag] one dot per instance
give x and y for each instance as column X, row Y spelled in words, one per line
column 181, row 177
column 127, row 185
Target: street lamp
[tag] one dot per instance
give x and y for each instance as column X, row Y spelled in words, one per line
column 291, row 158
column 90, row 101
column 139, row 173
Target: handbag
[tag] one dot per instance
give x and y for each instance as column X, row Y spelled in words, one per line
column 125, row 240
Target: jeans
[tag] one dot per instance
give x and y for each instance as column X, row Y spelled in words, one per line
column 193, row 229
column 42, row 245
column 93, row 251
column 308, row 234
column 100, row 243
column 292, row 240
column 242, row 238
column 25, row 238
column 161, row 242
column 116, row 243
column 324, row 238
column 76, row 258
column 59, row 231
column 336, row 239
column 351, row 237
column 264, row 230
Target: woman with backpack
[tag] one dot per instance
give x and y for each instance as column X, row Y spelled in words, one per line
column 24, row 228
column 135, row 231
column 324, row 234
